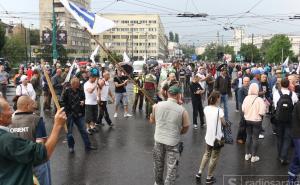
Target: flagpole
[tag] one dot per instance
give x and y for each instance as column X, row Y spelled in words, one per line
column 115, row 62
column 52, row 91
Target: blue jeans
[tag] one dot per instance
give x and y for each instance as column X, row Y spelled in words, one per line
column 283, row 141
column 294, row 168
column 43, row 173
column 224, row 100
column 79, row 122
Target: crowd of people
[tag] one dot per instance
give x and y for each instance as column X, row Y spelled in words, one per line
column 261, row 92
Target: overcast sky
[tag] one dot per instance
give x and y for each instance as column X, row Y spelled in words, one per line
column 263, row 17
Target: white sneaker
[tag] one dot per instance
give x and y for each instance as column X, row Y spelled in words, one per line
column 126, row 115
column 247, row 157
column 115, row 115
column 195, row 126
column 254, row 159
column 261, row 136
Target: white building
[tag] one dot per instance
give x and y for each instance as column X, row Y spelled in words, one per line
column 240, row 37
column 139, row 35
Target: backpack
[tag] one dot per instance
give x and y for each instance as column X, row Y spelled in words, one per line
column 284, row 108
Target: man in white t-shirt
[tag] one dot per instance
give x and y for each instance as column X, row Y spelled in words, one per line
column 91, row 107
column 104, row 92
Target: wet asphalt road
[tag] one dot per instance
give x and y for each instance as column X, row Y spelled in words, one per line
column 124, row 155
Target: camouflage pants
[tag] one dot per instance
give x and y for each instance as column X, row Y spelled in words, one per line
column 160, row 153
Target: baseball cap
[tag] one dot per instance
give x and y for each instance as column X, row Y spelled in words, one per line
column 174, row 89
column 256, row 72
column 94, row 72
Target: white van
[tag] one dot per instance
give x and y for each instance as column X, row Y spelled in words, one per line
column 138, row 67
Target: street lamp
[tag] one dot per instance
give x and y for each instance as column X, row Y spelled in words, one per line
column 54, row 51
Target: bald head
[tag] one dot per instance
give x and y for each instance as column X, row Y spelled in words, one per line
column 25, row 104
column 246, row 81
column 5, row 113
column 106, row 75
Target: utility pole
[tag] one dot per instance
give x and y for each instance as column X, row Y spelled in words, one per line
column 281, row 55
column 26, row 44
column 146, row 45
column 252, row 49
column 127, row 44
column 54, row 51
column 132, row 42
column 218, row 38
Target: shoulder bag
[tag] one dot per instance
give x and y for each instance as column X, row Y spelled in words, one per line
column 218, row 144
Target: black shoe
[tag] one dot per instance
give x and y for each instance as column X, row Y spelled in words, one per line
column 99, row 124
column 94, row 129
column 284, row 162
column 71, row 150
column 210, row 180
column 89, row 131
column 198, row 176
column 110, row 124
column 89, row 148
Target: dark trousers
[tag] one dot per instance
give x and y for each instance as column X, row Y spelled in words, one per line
column 283, row 141
column 3, row 89
column 253, row 129
column 294, row 168
column 139, row 97
column 236, row 100
column 197, row 108
column 79, row 122
column 103, row 113
column 242, row 134
column 47, row 100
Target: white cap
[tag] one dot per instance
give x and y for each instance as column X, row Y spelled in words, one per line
column 23, row 77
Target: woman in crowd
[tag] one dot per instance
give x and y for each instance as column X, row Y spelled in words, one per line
column 254, row 109
column 25, row 88
column 214, row 120
column 196, row 93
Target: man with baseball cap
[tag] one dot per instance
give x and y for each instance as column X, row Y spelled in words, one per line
column 171, row 120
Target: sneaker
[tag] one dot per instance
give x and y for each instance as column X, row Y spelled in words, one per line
column 203, row 125
column 254, row 159
column 198, row 176
column 237, row 111
column 89, row 131
column 115, row 115
column 91, row 147
column 261, row 136
column 126, row 115
column 195, row 127
column 240, row 141
column 71, row 150
column 210, row 180
column 247, row 157
column 110, row 124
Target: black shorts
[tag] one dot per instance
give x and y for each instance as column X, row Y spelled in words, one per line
column 91, row 113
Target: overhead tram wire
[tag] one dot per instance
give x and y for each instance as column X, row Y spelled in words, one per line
column 109, row 5
column 144, row 6
column 159, row 6
column 254, row 6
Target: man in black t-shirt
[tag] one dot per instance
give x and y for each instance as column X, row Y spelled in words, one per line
column 121, row 82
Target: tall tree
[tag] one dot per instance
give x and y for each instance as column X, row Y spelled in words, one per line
column 247, row 50
column 280, row 45
column 171, row 36
column 14, row 50
column 176, row 39
column 34, row 37
column 264, row 49
column 2, row 37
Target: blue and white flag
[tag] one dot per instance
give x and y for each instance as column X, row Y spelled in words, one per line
column 92, row 57
column 91, row 21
